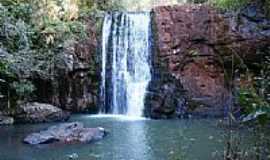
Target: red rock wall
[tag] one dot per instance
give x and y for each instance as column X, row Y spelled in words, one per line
column 189, row 42
column 182, row 32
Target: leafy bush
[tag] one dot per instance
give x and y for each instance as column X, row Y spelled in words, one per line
column 254, row 106
column 267, row 7
column 23, row 89
column 229, row 4
column 14, row 32
column 34, row 33
column 3, row 68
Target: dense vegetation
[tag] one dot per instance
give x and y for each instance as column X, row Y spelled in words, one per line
column 249, row 81
column 238, row 4
column 32, row 35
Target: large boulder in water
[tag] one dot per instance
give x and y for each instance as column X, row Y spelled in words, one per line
column 66, row 133
column 39, row 112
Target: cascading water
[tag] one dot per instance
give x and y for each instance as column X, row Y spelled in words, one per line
column 125, row 62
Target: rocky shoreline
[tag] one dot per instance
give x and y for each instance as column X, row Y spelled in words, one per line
column 34, row 113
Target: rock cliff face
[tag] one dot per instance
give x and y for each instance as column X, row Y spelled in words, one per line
column 75, row 81
column 189, row 41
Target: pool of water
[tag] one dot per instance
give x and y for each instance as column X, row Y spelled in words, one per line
column 128, row 139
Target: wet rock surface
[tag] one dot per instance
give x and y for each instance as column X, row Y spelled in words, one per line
column 74, row 132
column 165, row 98
column 39, row 113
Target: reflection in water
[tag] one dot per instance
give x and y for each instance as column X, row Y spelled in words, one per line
column 132, row 143
column 119, row 117
column 136, row 135
column 137, row 139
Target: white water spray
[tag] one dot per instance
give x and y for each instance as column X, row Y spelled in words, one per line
column 126, row 55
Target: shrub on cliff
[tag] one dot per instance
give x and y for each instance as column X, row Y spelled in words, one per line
column 229, row 4
column 233, row 5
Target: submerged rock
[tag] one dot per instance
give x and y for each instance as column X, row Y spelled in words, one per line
column 39, row 112
column 66, row 133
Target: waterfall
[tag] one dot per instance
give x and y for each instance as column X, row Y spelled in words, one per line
column 126, row 55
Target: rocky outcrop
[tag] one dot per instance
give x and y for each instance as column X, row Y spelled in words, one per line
column 39, row 113
column 75, row 80
column 6, row 120
column 165, row 98
column 190, row 41
column 66, row 133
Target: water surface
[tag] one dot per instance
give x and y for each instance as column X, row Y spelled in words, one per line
column 129, row 139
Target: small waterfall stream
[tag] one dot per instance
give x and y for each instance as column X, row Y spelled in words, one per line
column 126, row 50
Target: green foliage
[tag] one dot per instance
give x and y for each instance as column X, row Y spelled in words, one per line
column 14, row 32
column 33, row 33
column 23, row 89
column 254, row 106
column 21, row 29
column 233, row 5
column 55, row 33
column 3, row 68
column 263, row 80
column 250, row 84
column 229, row 4
column 255, row 97
column 267, row 7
